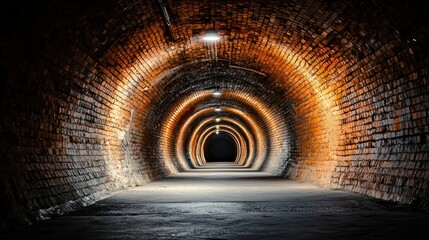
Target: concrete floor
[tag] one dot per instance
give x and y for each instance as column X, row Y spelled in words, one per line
column 222, row 201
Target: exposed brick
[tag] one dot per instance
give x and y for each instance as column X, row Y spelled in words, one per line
column 97, row 97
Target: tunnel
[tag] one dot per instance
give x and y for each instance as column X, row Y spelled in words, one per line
column 227, row 113
column 220, row 147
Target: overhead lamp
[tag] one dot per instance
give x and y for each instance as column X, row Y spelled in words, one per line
column 217, row 127
column 217, row 93
column 211, row 35
column 217, row 109
column 217, row 119
column 217, row 132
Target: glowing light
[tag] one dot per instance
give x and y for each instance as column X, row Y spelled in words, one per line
column 217, row 119
column 217, row 127
column 218, row 109
column 217, row 93
column 211, row 35
column 217, row 131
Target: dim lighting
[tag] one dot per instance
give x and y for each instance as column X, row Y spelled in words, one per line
column 217, row 109
column 211, row 35
column 217, row 93
column 217, row 131
column 217, row 127
column 217, row 119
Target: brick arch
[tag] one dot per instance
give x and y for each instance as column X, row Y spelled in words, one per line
column 82, row 82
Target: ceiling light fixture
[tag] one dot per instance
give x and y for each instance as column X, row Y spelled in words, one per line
column 217, row 93
column 217, row 109
column 211, row 35
column 217, row 119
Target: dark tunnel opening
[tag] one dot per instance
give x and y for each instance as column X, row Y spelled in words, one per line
column 220, row 148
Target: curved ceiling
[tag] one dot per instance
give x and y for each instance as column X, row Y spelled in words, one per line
column 315, row 90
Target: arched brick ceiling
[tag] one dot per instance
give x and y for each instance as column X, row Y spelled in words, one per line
column 193, row 88
column 336, row 90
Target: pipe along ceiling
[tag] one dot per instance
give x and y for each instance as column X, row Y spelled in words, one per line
column 104, row 95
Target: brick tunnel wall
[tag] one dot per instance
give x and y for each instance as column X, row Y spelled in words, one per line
column 245, row 94
column 82, row 87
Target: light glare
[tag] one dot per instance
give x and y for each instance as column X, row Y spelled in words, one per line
column 211, row 35
column 217, row 93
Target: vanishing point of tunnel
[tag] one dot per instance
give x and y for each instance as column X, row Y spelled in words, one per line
column 214, row 119
column 220, row 148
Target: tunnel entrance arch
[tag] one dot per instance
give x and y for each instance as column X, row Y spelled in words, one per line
column 220, row 148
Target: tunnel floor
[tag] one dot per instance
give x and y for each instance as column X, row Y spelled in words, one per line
column 225, row 201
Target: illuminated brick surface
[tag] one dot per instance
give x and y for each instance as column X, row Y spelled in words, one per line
column 97, row 97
